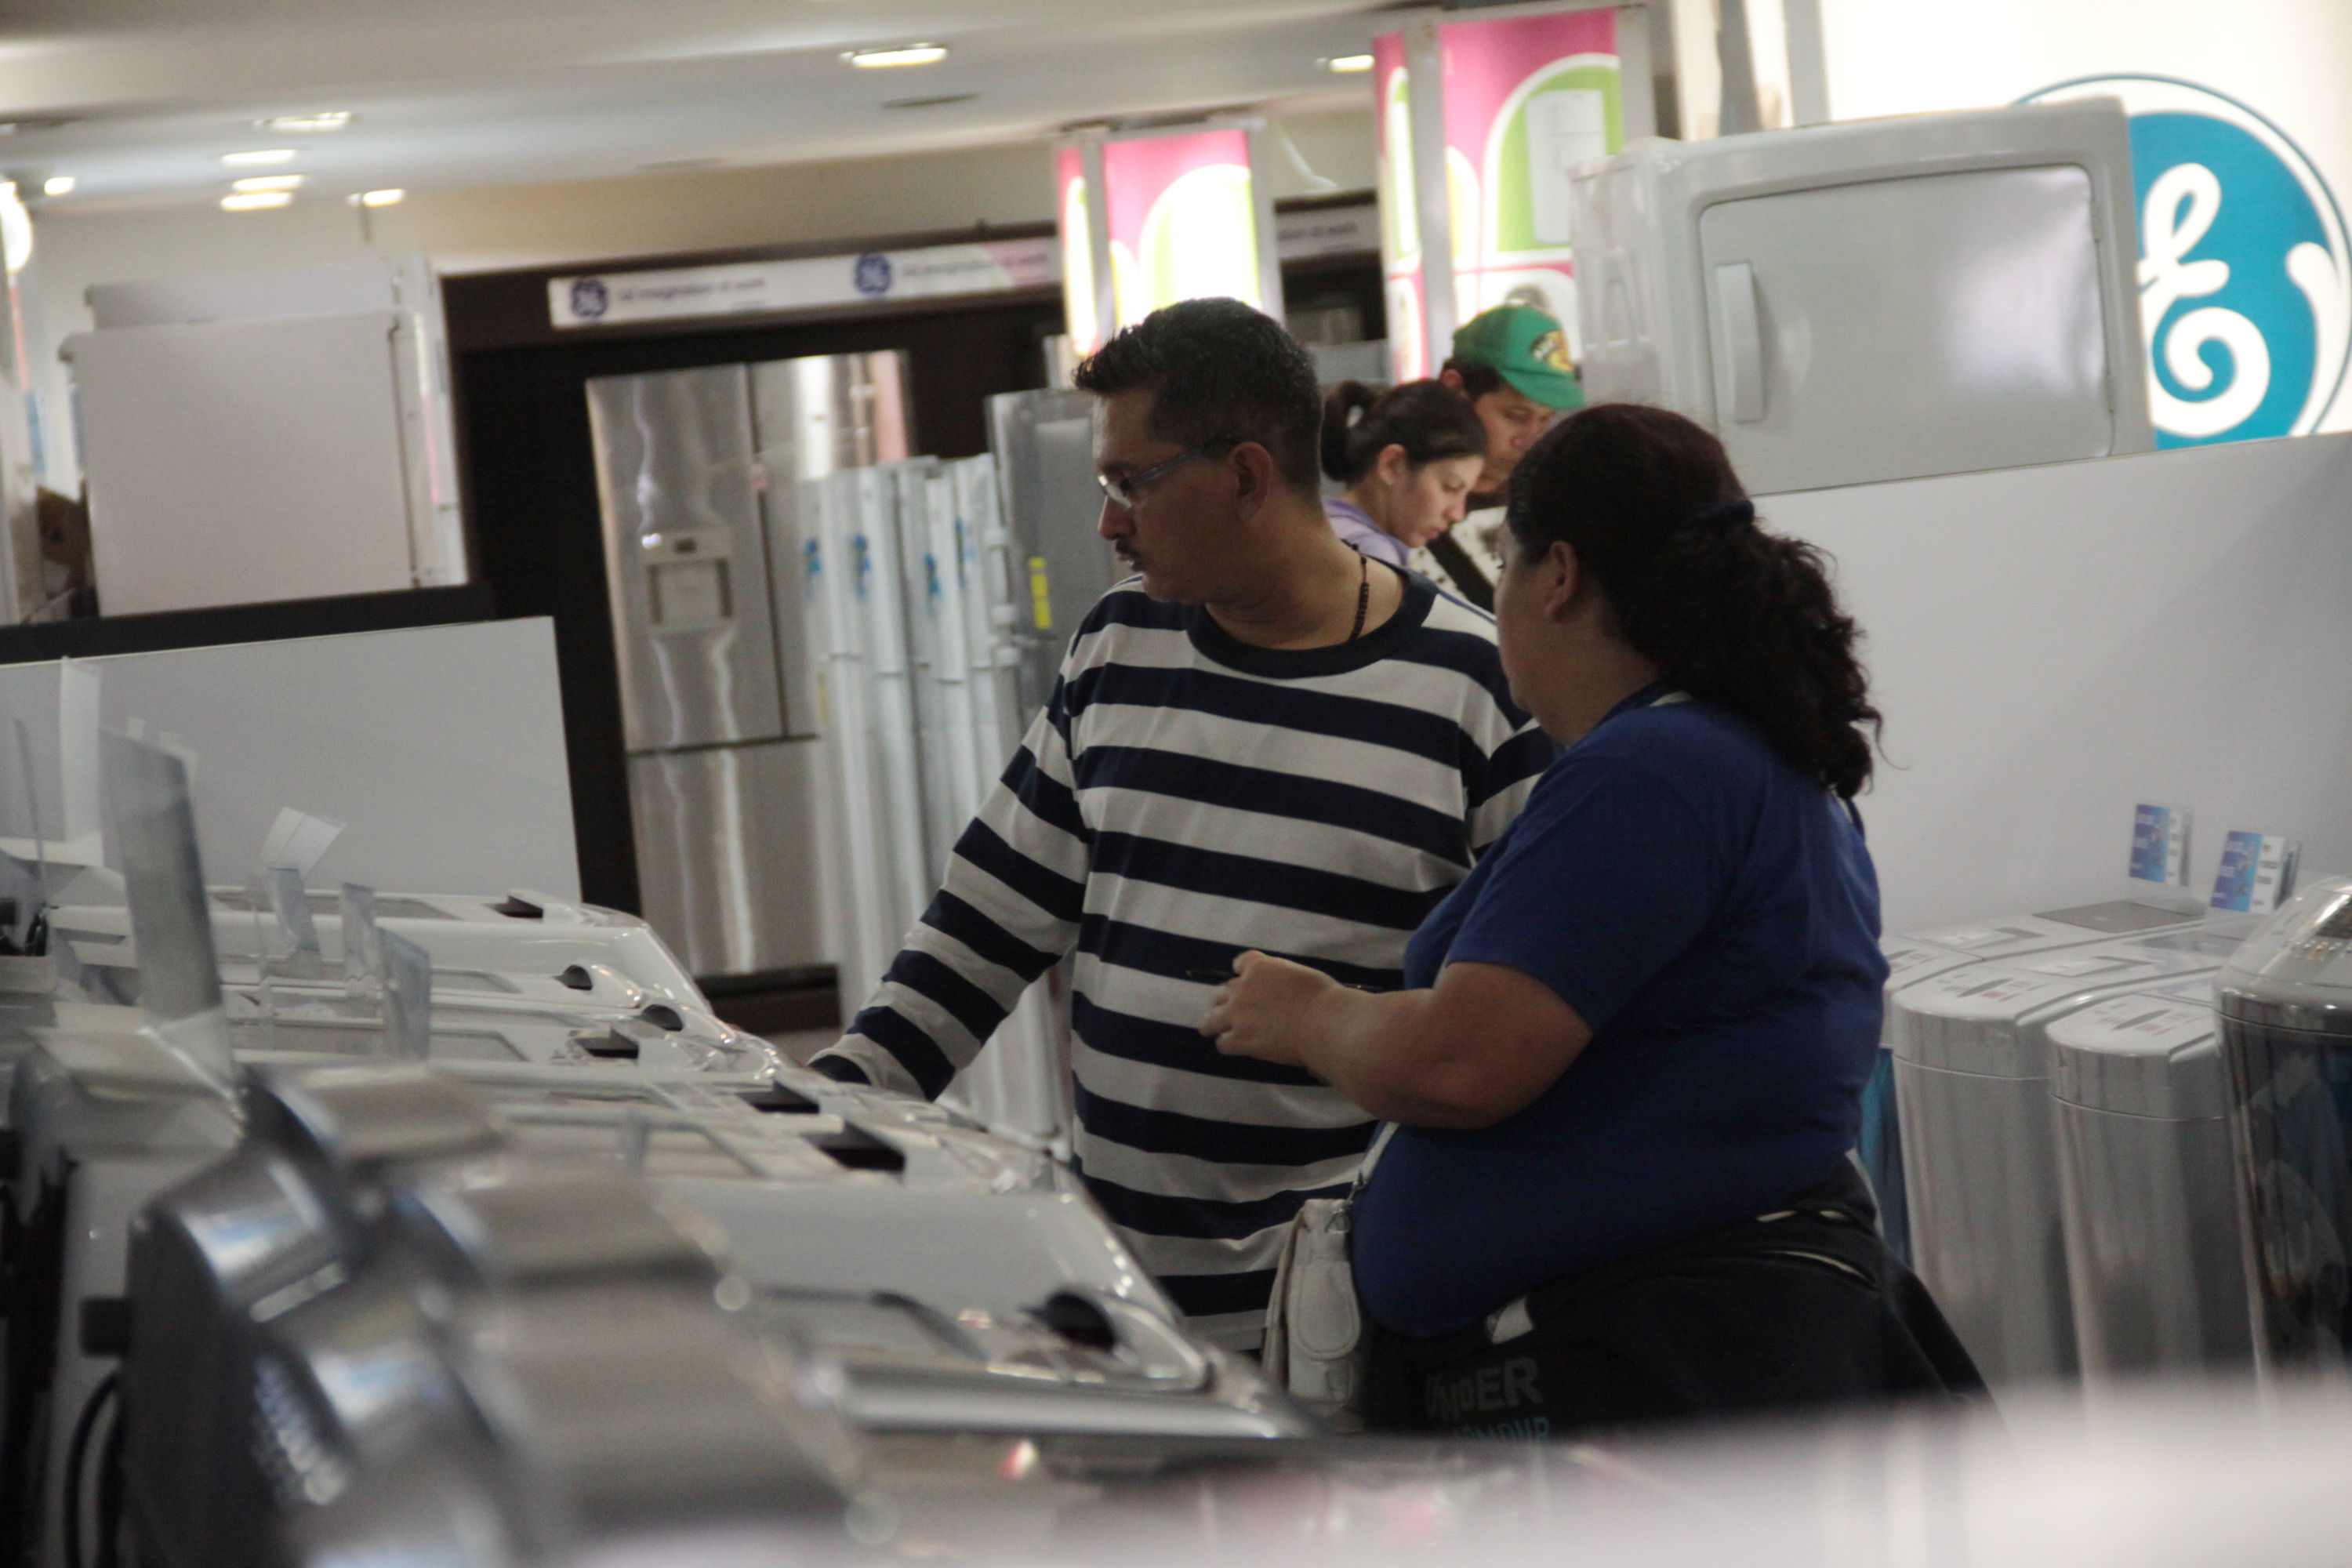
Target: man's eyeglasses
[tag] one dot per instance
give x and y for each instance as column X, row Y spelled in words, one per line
column 1129, row 490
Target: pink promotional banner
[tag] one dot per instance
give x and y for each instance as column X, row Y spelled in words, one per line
column 1179, row 221
column 1183, row 220
column 1523, row 100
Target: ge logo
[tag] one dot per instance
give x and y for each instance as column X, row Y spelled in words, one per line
column 872, row 275
column 2246, row 282
column 589, row 300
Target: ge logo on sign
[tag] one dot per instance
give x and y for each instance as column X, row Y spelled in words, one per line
column 2245, row 284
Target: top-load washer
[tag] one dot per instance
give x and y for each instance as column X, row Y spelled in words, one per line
column 1972, row 1068
column 1921, row 956
column 2154, row 1266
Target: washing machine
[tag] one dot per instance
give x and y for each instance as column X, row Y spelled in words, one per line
column 1911, row 959
column 1971, row 1069
column 2286, row 1004
column 2147, row 1186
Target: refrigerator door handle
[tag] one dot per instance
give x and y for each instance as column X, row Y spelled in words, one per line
column 1739, row 346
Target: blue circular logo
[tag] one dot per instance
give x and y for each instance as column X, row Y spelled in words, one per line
column 589, row 299
column 2246, row 282
column 872, row 275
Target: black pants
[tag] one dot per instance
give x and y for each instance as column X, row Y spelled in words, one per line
column 1801, row 1310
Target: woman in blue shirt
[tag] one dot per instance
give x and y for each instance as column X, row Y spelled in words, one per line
column 1627, row 1072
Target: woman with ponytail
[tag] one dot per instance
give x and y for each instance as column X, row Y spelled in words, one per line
column 1408, row 458
column 1627, row 1074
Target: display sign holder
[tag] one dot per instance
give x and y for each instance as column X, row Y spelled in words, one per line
column 1419, row 222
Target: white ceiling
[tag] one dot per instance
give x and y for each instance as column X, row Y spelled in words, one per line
column 481, row 93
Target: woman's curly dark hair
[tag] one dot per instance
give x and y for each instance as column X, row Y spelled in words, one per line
column 1727, row 612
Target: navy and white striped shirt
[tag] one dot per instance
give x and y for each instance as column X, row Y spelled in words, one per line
column 1182, row 797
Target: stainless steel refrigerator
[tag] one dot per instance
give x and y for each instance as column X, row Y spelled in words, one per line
column 698, row 473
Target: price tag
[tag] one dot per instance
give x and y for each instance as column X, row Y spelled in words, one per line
column 2257, row 872
column 2159, row 851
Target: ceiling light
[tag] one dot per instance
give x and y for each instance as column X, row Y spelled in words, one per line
column 267, row 155
column 254, row 201
column 58, row 186
column 325, row 120
column 1347, row 64
column 898, row 55
column 266, row 183
column 382, row 198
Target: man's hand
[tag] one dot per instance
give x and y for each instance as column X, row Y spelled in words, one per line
column 1264, row 1010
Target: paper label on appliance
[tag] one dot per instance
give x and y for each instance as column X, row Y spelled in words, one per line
column 2257, row 872
column 1040, row 602
column 1979, row 939
column 2159, row 851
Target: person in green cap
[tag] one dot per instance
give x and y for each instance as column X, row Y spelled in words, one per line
column 1512, row 364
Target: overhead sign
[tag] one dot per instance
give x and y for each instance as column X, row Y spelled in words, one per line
column 613, row 298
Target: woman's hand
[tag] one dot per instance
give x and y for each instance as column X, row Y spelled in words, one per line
column 1267, row 1008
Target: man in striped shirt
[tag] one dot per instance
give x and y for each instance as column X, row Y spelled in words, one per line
column 1261, row 739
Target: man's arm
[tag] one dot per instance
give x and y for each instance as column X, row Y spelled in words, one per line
column 1007, row 911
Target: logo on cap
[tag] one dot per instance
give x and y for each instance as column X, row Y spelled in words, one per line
column 1551, row 349
column 2244, row 277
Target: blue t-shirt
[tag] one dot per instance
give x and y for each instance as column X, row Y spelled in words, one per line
column 1711, row 913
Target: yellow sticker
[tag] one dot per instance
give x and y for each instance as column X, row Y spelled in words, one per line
column 1041, row 603
column 1551, row 348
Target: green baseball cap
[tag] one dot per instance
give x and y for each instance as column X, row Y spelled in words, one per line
column 1528, row 349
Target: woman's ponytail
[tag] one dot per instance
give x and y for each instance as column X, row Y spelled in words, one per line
column 1341, row 408
column 1428, row 418
column 1727, row 612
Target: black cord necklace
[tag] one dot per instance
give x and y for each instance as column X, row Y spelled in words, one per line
column 1363, row 595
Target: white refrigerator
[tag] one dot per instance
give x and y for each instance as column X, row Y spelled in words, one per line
column 1876, row 301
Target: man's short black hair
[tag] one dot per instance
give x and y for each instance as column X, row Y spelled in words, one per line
column 1219, row 370
column 1477, row 379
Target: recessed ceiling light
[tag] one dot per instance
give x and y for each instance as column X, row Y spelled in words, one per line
column 931, row 102
column 266, row 183
column 265, row 155
column 1347, row 64
column 898, row 55
column 382, row 198
column 254, row 201
column 325, row 120
column 58, row 186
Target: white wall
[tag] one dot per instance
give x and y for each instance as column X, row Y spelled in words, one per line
column 2051, row 646
column 488, row 229
column 441, row 748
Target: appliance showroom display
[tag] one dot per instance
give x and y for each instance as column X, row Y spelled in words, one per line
column 2154, row 1241
column 1880, row 299
column 1912, row 959
column 2285, row 1001
column 951, row 1282
column 1972, row 1073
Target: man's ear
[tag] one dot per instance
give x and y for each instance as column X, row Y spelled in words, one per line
column 1254, row 479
